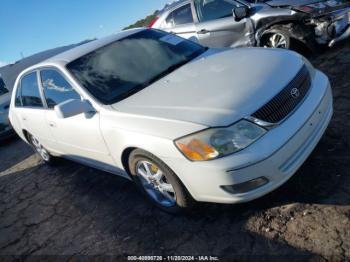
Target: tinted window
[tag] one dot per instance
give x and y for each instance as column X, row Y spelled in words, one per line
column 56, row 88
column 3, row 89
column 214, row 9
column 30, row 91
column 180, row 16
column 124, row 67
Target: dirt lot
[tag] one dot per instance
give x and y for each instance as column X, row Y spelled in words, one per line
column 72, row 210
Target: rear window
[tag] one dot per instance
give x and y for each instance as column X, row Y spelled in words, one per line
column 30, row 94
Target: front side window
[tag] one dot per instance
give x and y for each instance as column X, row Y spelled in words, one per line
column 180, row 16
column 214, row 9
column 30, row 94
column 56, row 88
column 124, row 67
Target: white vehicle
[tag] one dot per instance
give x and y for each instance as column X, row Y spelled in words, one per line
column 183, row 121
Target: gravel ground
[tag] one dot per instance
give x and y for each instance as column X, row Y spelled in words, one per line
column 74, row 211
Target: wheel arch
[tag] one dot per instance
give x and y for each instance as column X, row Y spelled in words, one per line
column 125, row 158
column 125, row 162
column 26, row 135
column 297, row 29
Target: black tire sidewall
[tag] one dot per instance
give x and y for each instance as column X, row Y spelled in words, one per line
column 182, row 196
column 50, row 161
column 286, row 35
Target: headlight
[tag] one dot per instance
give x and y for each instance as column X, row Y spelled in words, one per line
column 218, row 142
column 310, row 67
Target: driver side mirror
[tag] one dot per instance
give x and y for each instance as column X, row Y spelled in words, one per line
column 240, row 12
column 73, row 107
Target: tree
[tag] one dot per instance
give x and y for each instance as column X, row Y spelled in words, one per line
column 142, row 22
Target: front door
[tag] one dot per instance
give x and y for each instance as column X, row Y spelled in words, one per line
column 217, row 27
column 30, row 111
column 76, row 137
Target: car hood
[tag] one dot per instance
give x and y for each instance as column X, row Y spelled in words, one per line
column 218, row 88
column 317, row 5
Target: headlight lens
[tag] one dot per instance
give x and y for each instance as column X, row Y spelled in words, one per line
column 218, row 142
column 310, row 67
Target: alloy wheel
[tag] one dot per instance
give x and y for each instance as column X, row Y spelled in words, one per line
column 276, row 40
column 155, row 183
column 40, row 149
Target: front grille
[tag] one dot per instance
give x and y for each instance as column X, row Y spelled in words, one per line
column 287, row 100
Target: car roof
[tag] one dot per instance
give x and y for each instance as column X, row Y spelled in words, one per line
column 79, row 51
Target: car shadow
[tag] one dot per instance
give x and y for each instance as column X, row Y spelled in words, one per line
column 98, row 213
column 13, row 151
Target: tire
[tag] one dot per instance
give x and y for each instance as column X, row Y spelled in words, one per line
column 277, row 37
column 44, row 154
column 156, row 184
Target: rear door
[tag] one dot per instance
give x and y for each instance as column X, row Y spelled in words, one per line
column 180, row 21
column 30, row 110
column 216, row 25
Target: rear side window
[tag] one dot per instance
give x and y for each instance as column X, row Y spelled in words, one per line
column 56, row 88
column 30, row 94
column 180, row 16
column 214, row 9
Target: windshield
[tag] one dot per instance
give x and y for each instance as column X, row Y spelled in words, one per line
column 3, row 89
column 124, row 67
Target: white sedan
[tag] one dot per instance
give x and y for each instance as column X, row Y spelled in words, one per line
column 183, row 121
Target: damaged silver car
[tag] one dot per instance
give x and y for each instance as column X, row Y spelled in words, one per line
column 290, row 24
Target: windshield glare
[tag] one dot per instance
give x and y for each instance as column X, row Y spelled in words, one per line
column 124, row 67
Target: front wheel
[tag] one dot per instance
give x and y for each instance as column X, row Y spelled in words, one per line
column 158, row 182
column 276, row 38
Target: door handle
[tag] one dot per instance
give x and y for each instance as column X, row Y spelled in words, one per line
column 203, row 31
column 52, row 124
column 24, row 118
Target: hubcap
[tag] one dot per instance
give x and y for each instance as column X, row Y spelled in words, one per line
column 40, row 149
column 276, row 40
column 155, row 183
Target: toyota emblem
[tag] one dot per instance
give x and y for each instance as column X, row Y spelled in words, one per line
column 295, row 93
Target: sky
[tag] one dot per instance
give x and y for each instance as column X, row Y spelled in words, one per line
column 31, row 26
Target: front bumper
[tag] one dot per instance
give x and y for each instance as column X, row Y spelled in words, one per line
column 276, row 156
